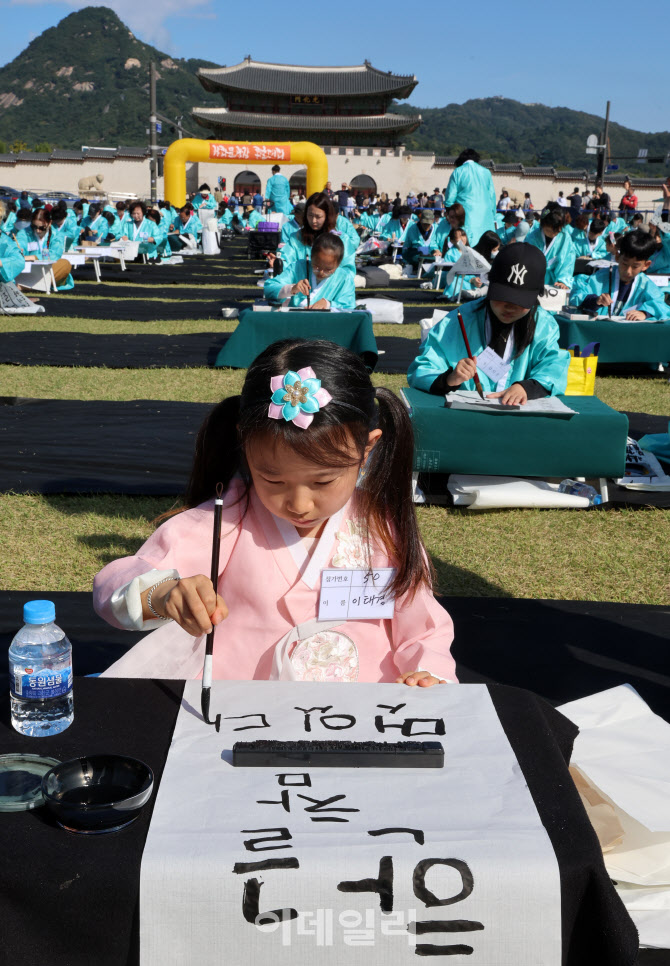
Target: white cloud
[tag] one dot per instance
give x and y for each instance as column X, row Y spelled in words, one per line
column 146, row 20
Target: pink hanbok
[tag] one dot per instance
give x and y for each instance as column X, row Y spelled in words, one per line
column 271, row 585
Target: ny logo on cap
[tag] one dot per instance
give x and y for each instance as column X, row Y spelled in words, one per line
column 517, row 274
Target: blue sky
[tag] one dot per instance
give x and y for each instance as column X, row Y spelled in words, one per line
column 575, row 54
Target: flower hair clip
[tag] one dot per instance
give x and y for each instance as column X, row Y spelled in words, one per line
column 296, row 396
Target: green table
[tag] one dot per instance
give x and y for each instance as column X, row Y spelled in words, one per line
column 257, row 330
column 589, row 444
column 619, row 341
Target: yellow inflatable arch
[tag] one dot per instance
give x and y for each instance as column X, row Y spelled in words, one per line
column 279, row 152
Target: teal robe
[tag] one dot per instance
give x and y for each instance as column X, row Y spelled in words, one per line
column 369, row 221
column 583, row 247
column 444, row 348
column 471, row 185
column 288, row 229
column 8, row 223
column 192, row 227
column 98, row 226
column 415, row 243
column 254, row 218
column 349, row 235
column 50, row 249
column 278, row 194
column 295, row 250
column 338, row 288
column 660, row 262
column 452, row 288
column 200, row 202
column 394, row 227
column 560, row 255
column 645, row 295
column 617, row 226
column 506, row 235
column 226, row 219
column 12, row 261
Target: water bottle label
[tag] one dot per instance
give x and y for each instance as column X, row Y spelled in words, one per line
column 40, row 683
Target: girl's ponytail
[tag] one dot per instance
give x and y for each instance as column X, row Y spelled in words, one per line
column 387, row 488
column 217, row 453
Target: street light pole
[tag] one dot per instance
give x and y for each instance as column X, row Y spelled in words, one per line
column 153, row 147
column 602, row 154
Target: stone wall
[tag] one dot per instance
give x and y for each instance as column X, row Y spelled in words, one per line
column 391, row 171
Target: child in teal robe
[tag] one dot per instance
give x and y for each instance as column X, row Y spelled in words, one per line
column 330, row 284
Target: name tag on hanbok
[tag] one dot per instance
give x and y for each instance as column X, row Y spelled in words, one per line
column 356, row 594
column 144, row 235
column 32, row 246
column 492, row 365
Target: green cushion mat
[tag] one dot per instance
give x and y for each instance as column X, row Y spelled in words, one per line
column 619, row 341
column 257, row 330
column 591, row 443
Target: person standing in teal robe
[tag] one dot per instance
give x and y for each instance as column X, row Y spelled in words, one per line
column 278, row 192
column 512, row 324
column 472, row 186
column 329, row 284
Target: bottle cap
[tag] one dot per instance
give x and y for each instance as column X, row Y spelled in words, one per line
column 597, row 500
column 39, row 612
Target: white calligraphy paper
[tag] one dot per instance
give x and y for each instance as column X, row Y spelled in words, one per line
column 293, row 866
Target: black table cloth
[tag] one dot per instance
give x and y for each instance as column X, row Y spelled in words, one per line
column 69, row 900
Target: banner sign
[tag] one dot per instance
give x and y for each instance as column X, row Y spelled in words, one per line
column 220, row 151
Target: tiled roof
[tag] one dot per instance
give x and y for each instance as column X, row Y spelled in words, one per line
column 58, row 154
column 220, row 117
column 8, row 158
column 125, row 152
column 543, row 172
column 33, row 156
column 111, row 153
column 259, row 77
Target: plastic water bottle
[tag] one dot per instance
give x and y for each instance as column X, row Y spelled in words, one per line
column 575, row 488
column 40, row 673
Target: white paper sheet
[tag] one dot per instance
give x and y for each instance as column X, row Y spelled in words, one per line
column 492, row 492
column 650, row 911
column 470, row 400
column 476, row 813
column 623, row 749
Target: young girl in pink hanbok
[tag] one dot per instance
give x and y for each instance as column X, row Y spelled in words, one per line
column 316, row 467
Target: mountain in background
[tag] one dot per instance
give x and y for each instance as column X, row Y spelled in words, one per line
column 530, row 134
column 86, row 81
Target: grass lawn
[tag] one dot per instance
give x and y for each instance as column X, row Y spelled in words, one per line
column 59, row 542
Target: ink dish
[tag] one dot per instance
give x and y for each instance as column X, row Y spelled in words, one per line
column 97, row 794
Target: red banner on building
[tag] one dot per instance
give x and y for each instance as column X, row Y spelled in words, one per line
column 229, row 151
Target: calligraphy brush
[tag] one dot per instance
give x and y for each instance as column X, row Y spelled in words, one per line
column 478, row 385
column 307, row 278
column 205, row 693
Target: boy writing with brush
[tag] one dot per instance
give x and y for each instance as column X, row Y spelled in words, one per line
column 513, row 341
